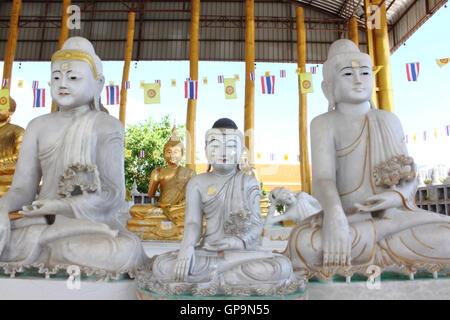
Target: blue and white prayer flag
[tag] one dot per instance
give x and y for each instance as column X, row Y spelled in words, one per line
column 190, row 89
column 38, row 98
column 412, row 71
column 112, row 95
column 268, row 84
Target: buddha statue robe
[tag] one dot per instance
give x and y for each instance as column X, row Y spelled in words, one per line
column 231, row 209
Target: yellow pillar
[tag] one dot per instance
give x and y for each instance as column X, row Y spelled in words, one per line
column 353, row 30
column 371, row 49
column 126, row 67
column 193, row 73
column 249, row 108
column 64, row 32
column 10, row 50
column 382, row 55
column 305, row 173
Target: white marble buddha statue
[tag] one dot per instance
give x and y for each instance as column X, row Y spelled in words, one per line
column 227, row 259
column 365, row 182
column 77, row 153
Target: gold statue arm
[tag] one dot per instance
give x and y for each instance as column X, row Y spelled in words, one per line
column 154, row 182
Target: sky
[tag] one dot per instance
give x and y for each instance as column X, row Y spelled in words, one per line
column 421, row 106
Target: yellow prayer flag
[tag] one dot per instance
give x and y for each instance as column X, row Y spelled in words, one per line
column 258, row 155
column 415, row 137
column 230, row 88
column 4, row 99
column 173, row 82
column 151, row 93
column 111, row 83
column 306, row 85
column 286, row 157
column 20, row 84
column 142, row 84
column 127, row 153
column 435, row 133
column 298, row 71
column 442, row 62
column 205, row 80
column 267, row 73
column 236, row 77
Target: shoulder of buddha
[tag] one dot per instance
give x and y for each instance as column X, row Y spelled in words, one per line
column 106, row 124
column 185, row 172
column 324, row 120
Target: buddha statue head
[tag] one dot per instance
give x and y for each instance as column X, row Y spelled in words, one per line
column 173, row 149
column 347, row 75
column 77, row 75
column 224, row 145
column 5, row 115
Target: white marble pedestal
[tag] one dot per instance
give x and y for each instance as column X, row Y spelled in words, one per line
column 420, row 289
column 31, row 288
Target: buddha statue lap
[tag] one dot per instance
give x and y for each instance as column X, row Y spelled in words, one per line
column 165, row 219
column 10, row 141
column 77, row 153
column 365, row 182
column 227, row 260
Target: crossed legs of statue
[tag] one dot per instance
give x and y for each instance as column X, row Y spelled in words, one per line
column 406, row 240
column 65, row 243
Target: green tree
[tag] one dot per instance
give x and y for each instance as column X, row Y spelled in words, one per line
column 148, row 136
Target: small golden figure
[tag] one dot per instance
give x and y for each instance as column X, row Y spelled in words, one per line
column 10, row 141
column 164, row 220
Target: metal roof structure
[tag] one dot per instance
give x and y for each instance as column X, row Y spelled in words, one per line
column 162, row 27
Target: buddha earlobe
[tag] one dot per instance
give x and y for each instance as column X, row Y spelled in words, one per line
column 327, row 93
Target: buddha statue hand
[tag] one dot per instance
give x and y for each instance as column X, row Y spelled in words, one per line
column 5, row 229
column 47, row 207
column 336, row 240
column 185, row 261
column 381, row 201
column 226, row 243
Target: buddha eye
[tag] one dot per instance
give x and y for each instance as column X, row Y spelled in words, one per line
column 55, row 78
column 347, row 73
column 73, row 77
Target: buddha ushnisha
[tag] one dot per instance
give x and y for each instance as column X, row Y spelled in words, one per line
column 365, row 182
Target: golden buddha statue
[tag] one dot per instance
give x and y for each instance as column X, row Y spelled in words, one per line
column 164, row 220
column 10, row 141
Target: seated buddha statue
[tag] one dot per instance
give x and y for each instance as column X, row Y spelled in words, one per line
column 10, row 141
column 164, row 220
column 227, row 259
column 365, row 182
column 72, row 219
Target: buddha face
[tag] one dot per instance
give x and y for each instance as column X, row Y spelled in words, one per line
column 73, row 84
column 173, row 154
column 223, row 148
column 5, row 115
column 352, row 81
